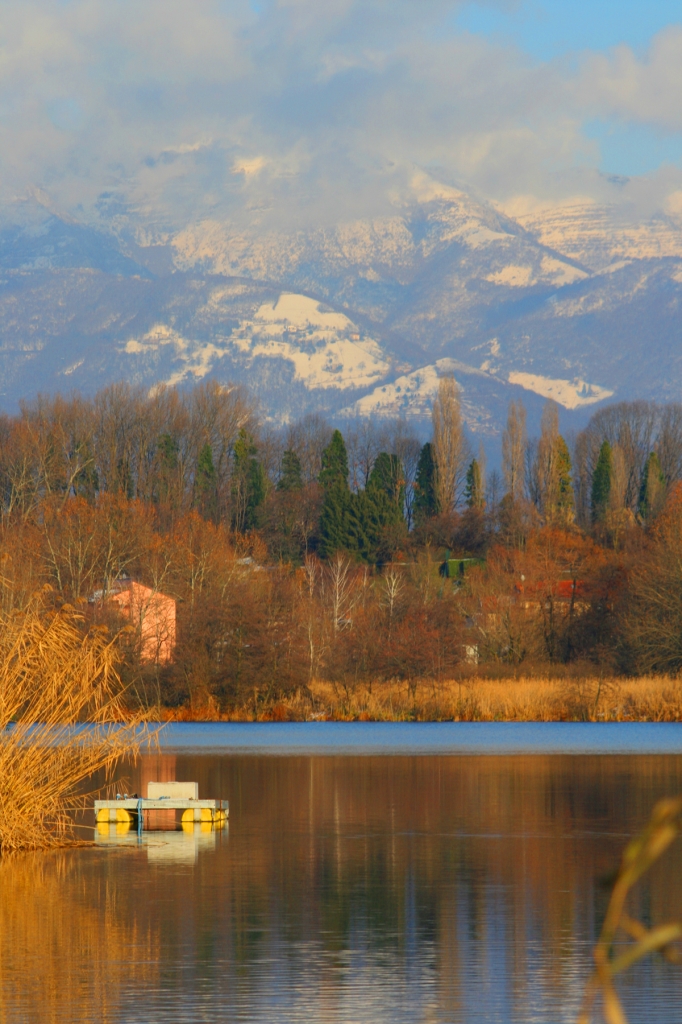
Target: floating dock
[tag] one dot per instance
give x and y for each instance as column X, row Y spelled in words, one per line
column 163, row 796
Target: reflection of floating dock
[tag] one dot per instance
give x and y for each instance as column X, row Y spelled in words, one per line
column 163, row 796
column 181, row 847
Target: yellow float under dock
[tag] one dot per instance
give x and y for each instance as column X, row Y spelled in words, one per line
column 163, row 796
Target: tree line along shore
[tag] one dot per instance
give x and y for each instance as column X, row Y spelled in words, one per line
column 355, row 573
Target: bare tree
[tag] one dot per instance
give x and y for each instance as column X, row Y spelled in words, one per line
column 393, row 584
column 309, row 437
column 514, row 441
column 582, row 478
column 363, row 444
column 341, row 589
column 632, row 426
column 450, row 446
column 398, row 438
column 547, row 472
column 669, row 442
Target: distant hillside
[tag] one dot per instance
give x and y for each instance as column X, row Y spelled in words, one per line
column 359, row 319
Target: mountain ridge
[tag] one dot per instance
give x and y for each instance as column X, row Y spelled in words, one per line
column 357, row 319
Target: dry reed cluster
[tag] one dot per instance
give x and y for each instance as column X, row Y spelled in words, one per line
column 62, row 717
column 476, row 699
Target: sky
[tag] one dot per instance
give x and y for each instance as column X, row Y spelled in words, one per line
column 286, row 113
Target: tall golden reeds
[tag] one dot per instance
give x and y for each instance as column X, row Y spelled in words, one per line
column 62, row 717
column 563, row 698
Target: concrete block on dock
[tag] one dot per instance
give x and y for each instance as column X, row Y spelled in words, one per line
column 173, row 790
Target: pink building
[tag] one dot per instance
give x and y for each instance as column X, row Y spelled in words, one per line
column 152, row 614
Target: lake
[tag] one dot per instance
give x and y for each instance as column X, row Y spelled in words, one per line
column 352, row 885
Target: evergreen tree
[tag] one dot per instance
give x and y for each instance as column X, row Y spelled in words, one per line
column 334, row 462
column 336, row 530
column 337, row 510
column 167, row 451
column 425, row 501
column 291, row 478
column 380, row 508
column 388, row 476
column 474, row 486
column 653, row 487
column 248, row 483
column 565, row 499
column 602, row 480
column 205, row 483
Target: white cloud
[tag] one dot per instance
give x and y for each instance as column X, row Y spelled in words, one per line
column 645, row 90
column 306, row 112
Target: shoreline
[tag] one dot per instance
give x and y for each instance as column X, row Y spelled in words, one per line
column 525, row 699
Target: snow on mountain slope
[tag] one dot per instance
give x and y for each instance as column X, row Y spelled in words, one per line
column 599, row 235
column 324, row 348
column 409, row 395
column 372, row 266
column 356, row 319
column 569, row 393
column 620, row 330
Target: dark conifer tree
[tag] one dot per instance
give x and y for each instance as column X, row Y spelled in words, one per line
column 248, row 483
column 291, row 478
column 334, row 462
column 336, row 531
column 380, row 508
column 338, row 509
column 167, row 452
column 474, row 486
column 602, row 479
column 206, row 484
column 425, row 499
column 388, row 476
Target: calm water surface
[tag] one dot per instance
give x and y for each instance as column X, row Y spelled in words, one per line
column 348, row 888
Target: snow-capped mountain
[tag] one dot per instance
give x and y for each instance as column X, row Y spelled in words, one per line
column 570, row 304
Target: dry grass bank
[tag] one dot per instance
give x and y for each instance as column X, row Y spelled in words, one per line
column 477, row 699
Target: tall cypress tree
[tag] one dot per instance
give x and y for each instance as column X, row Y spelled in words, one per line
column 474, row 486
column 425, row 500
column 337, row 511
column 652, row 489
column 602, row 479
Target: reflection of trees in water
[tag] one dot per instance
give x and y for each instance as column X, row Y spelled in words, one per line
column 446, row 874
column 67, row 947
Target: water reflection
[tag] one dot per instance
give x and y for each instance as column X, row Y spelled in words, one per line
column 377, row 889
column 181, row 845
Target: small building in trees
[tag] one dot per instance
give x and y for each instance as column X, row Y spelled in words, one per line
column 150, row 612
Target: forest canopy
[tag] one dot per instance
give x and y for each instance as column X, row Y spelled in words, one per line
column 354, row 555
